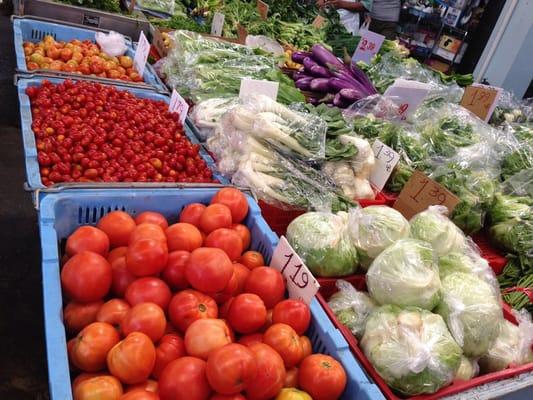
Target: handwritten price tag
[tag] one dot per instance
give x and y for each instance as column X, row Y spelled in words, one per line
column 408, row 95
column 319, row 21
column 386, row 160
column 481, row 100
column 420, row 193
column 300, row 281
column 254, row 86
column 262, row 8
column 368, row 46
column 141, row 54
column 218, row 24
column 178, row 105
column 242, row 33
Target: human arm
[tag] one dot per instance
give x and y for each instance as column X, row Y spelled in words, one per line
column 348, row 5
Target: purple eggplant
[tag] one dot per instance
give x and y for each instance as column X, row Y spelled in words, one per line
column 325, row 57
column 319, row 71
column 313, row 100
column 339, row 101
column 304, row 83
column 320, row 85
column 351, row 95
column 300, row 74
column 298, row 56
column 361, row 77
column 308, row 64
column 337, row 84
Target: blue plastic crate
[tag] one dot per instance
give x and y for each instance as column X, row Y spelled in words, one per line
column 61, row 213
column 33, row 175
column 34, row 30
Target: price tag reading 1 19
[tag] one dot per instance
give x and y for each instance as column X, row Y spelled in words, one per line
column 300, row 281
column 178, row 105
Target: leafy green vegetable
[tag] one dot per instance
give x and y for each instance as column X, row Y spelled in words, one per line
column 447, row 135
column 518, row 160
column 180, row 21
column 104, row 5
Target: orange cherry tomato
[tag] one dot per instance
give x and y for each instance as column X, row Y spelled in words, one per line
column 252, row 259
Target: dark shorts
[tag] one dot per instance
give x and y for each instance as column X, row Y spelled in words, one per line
column 385, row 28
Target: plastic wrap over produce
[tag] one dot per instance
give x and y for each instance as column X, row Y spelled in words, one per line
column 511, row 110
column 207, row 114
column 411, row 349
column 468, row 369
column 321, row 240
column 166, row 6
column 406, row 274
column 351, row 307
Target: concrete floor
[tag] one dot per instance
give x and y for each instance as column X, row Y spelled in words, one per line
column 23, row 373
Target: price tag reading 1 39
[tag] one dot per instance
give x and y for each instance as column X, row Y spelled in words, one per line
column 301, row 283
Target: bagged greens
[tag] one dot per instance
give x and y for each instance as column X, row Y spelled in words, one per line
column 405, row 274
column 468, row 369
column 411, row 349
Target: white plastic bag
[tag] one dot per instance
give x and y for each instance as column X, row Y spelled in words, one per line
column 112, row 43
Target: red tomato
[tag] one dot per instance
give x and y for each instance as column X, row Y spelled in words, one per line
column 270, row 375
column 132, row 359
column 113, row 312
column 86, row 277
column 184, row 379
column 286, row 342
column 247, row 340
column 208, row 270
column 170, row 347
column 206, row 335
column 102, row 387
column 84, row 375
column 151, row 217
column 322, row 377
column 244, row 233
column 118, row 226
column 140, row 394
column 268, row 322
column 307, row 348
column 122, row 277
column 189, row 305
column 294, row 313
column 77, row 316
column 252, row 259
column 192, row 213
column 267, row 283
column 241, row 273
column 223, row 311
column 91, row 346
column 147, row 318
column 87, row 238
column 148, row 231
column 291, row 378
column 146, row 257
column 215, row 216
column 230, row 368
column 229, row 291
column 235, row 200
column 116, row 253
column 149, row 385
column 247, row 313
column 148, row 289
column 227, row 397
column 227, row 240
column 183, row 236
column 174, row 272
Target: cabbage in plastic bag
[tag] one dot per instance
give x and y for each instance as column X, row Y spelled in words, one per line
column 411, row 349
column 468, row 369
column 374, row 228
column 405, row 274
column 321, row 240
column 351, row 307
column 472, row 312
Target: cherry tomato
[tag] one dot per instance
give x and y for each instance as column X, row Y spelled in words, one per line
column 267, row 283
column 227, row 240
column 86, row 277
column 91, row 346
column 113, row 312
column 77, row 316
column 170, row 347
column 103, row 387
column 244, row 233
column 208, row 269
column 87, row 238
column 215, row 216
column 174, row 272
column 247, row 340
column 183, row 236
column 147, row 318
column 152, row 218
column 146, row 257
column 192, row 213
column 132, row 359
column 184, row 379
column 252, row 259
column 322, row 377
column 294, row 313
column 206, row 335
column 242, row 274
column 291, row 378
column 286, row 342
column 235, row 200
column 118, row 226
column 148, row 289
column 122, row 276
column 270, row 375
column 148, row 231
column 247, row 313
column 116, row 253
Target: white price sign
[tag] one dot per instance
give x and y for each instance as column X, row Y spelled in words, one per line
column 217, row 24
column 178, row 105
column 254, row 86
column 141, row 54
column 301, row 283
column 386, row 160
column 408, row 95
column 368, row 46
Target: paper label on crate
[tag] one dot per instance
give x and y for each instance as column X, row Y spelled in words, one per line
column 301, row 283
column 262, row 8
column 368, row 46
column 255, row 86
column 420, row 192
column 178, row 105
column 386, row 160
column 218, row 24
column 408, row 95
column 159, row 43
column 481, row 100
column 141, row 54
column 319, row 21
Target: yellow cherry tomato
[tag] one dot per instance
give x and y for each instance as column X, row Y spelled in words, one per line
column 293, row 394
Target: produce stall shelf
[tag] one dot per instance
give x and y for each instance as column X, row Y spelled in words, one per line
column 61, row 213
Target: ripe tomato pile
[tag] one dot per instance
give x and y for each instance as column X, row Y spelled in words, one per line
column 81, row 57
column 87, row 132
column 186, row 312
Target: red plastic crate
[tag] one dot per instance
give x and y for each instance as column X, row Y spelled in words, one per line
column 494, row 256
column 454, row 388
column 390, row 197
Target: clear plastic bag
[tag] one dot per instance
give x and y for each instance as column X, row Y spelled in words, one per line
column 207, row 114
column 351, row 307
column 344, row 176
column 411, row 349
column 165, row 6
column 373, row 229
column 406, row 274
column 112, row 43
column 468, row 369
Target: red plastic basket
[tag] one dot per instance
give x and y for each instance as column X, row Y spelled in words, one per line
column 454, row 388
column 390, row 197
column 494, row 256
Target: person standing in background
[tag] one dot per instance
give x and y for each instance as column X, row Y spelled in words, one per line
column 350, row 12
column 385, row 15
